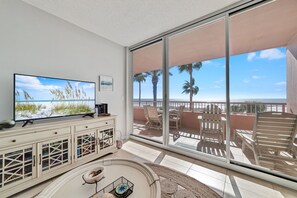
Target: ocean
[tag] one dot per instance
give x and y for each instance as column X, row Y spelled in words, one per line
column 79, row 100
column 263, row 100
column 271, row 104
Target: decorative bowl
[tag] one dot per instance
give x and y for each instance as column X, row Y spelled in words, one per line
column 94, row 175
column 122, row 188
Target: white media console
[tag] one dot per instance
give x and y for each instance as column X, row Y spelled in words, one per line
column 35, row 153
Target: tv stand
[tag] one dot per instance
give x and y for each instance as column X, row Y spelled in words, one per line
column 46, row 149
column 89, row 114
column 26, row 122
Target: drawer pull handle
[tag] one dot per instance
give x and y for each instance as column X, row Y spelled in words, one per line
column 86, row 127
column 106, row 122
column 13, row 140
column 56, row 133
column 33, row 161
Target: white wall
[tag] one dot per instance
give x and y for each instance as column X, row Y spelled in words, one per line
column 292, row 76
column 35, row 42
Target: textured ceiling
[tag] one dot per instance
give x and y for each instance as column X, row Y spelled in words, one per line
column 128, row 22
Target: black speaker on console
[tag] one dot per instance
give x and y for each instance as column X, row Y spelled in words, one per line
column 102, row 109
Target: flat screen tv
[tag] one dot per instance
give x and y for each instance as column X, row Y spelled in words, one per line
column 38, row 97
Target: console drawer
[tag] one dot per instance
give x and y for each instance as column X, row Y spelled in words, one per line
column 31, row 137
column 54, row 132
column 83, row 127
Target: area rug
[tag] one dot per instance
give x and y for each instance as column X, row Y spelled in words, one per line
column 175, row 184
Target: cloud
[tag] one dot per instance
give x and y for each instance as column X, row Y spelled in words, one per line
column 32, row 82
column 213, row 63
column 281, row 83
column 85, row 85
column 207, row 62
column 219, row 81
column 271, row 54
column 257, row 77
column 251, row 56
column 76, row 84
column 217, row 87
column 89, row 86
column 246, row 80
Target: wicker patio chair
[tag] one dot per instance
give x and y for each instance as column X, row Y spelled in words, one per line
column 146, row 114
column 154, row 119
column 175, row 117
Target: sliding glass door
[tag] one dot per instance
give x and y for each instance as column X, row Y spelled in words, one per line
column 197, row 96
column 263, row 64
column 248, row 119
column 148, row 92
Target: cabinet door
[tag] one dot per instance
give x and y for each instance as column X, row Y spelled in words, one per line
column 16, row 166
column 54, row 154
column 85, row 144
column 106, row 137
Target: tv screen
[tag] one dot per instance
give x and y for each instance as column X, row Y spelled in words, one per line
column 37, row 97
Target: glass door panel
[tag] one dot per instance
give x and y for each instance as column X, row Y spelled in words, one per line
column 85, row 144
column 197, row 89
column 263, row 74
column 54, row 154
column 16, row 166
column 148, row 92
column 105, row 138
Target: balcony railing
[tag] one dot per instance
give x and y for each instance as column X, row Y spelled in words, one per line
column 236, row 107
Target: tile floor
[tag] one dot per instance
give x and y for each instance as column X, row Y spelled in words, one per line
column 190, row 139
column 225, row 182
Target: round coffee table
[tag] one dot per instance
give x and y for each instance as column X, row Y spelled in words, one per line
column 146, row 182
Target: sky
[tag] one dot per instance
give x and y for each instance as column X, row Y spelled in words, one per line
column 39, row 87
column 255, row 75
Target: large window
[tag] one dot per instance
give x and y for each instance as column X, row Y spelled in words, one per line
column 257, row 60
column 148, row 92
column 260, row 41
column 197, row 89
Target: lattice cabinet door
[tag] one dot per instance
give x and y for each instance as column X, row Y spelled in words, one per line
column 85, row 144
column 106, row 137
column 54, row 154
column 17, row 165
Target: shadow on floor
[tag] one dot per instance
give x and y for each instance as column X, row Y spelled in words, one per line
column 213, row 148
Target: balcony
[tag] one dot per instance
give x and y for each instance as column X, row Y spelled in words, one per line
column 261, row 64
column 242, row 117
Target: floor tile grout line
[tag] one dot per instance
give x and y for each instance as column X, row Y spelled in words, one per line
column 210, row 175
column 227, row 172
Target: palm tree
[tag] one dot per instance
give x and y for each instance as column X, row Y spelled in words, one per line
column 187, row 87
column 155, row 79
column 140, row 77
column 189, row 68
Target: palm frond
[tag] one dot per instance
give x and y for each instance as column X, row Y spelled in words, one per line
column 186, row 87
column 197, row 65
column 182, row 68
column 195, row 90
column 140, row 77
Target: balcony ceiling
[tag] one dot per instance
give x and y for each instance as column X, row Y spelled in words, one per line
column 270, row 26
column 128, row 22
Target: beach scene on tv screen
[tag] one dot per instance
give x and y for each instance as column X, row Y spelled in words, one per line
column 41, row 97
